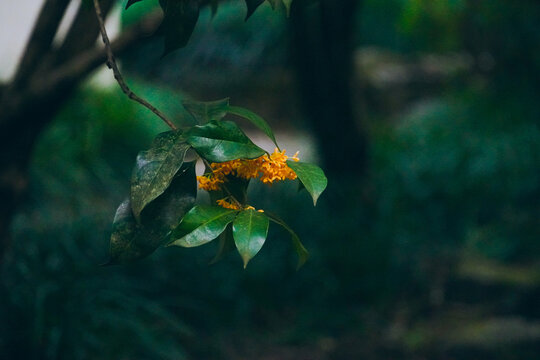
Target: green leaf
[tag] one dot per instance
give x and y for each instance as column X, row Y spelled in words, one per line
column 201, row 225
column 131, row 2
column 237, row 187
column 180, row 18
column 252, row 5
column 301, row 251
column 155, row 169
column 131, row 240
column 165, row 213
column 250, row 229
column 206, row 111
column 125, row 228
column 222, row 141
column 311, row 176
column 255, row 120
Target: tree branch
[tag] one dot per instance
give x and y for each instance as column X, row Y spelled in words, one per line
column 62, row 79
column 89, row 60
column 111, row 63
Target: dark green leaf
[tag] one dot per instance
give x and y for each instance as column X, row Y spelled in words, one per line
column 155, row 169
column 201, row 225
column 311, row 176
column 131, row 240
column 250, row 229
column 206, row 111
column 252, row 5
column 125, row 228
column 302, row 252
column 165, row 213
column 180, row 18
column 222, row 141
column 255, row 120
column 131, row 2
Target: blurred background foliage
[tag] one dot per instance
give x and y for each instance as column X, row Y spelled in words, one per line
column 433, row 253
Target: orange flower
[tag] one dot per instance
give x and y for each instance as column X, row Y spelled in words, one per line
column 211, row 182
column 225, row 168
column 268, row 168
column 249, row 169
column 275, row 168
column 227, row 205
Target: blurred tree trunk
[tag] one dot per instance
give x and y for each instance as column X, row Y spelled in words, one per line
column 44, row 80
column 322, row 46
column 16, row 118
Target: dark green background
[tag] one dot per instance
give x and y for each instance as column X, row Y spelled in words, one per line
column 433, row 252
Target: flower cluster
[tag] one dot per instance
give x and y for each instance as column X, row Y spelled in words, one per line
column 268, row 168
column 210, row 182
column 228, row 205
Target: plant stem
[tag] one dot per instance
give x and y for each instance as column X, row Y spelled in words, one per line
column 111, row 63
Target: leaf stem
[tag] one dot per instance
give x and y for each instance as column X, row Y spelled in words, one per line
column 111, row 64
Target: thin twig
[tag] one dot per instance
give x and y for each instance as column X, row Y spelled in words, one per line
column 111, row 63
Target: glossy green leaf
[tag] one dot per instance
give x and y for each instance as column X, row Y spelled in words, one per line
column 206, row 111
column 155, row 169
column 255, row 119
column 301, row 251
column 131, row 240
column 311, row 176
column 201, row 225
column 238, row 188
column 252, row 5
column 222, row 141
column 180, row 18
column 250, row 229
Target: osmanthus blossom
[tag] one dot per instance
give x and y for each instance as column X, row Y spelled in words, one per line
column 267, row 168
